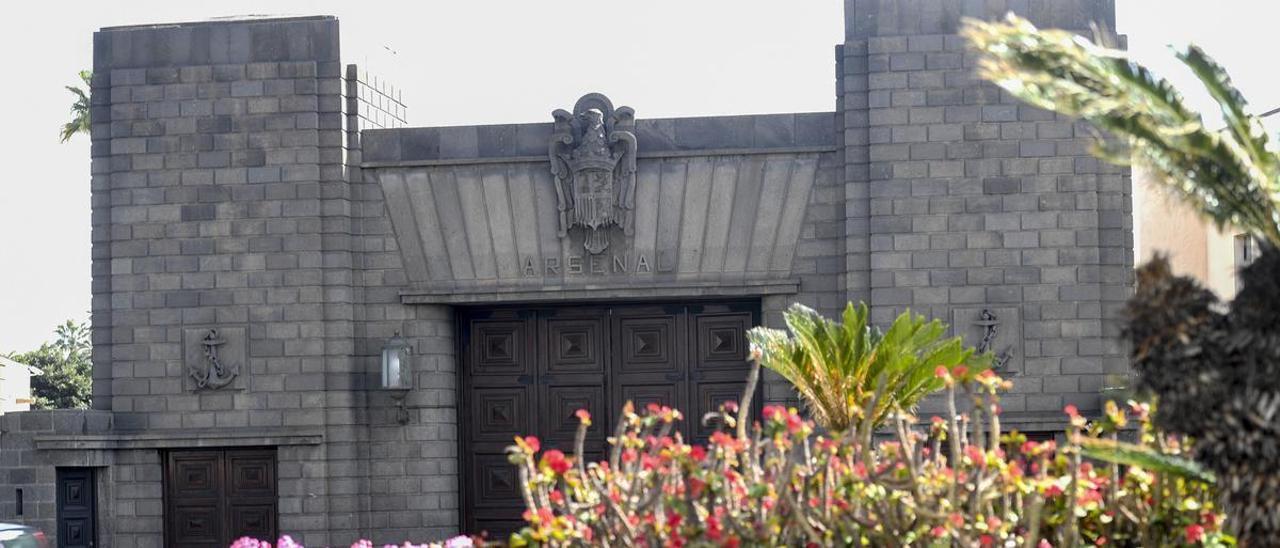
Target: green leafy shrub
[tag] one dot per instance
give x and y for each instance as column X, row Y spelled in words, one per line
column 955, row 481
column 851, row 372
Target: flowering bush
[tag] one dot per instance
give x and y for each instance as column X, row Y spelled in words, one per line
column 954, row 481
column 288, row 542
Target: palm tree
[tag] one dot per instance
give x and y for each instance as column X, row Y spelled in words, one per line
column 851, row 373
column 79, row 110
column 1216, row 374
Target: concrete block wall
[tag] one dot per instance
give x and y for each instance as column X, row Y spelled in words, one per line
column 33, row 471
column 970, row 199
column 220, row 200
column 411, row 470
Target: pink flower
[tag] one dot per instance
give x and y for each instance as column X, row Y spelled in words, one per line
column 246, row 542
column 1195, row 533
column 584, row 416
column 460, row 541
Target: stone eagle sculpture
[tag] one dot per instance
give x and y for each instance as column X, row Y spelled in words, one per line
column 593, row 160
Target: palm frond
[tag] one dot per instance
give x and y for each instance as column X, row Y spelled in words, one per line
column 79, row 109
column 836, row 367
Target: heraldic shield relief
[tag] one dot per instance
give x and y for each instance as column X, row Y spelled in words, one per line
column 593, row 159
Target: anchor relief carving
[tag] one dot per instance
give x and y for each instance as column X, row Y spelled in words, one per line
column 988, row 321
column 211, row 373
column 593, row 160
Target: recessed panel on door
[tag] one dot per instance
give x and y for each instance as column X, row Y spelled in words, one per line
column 215, row 496
column 527, row 371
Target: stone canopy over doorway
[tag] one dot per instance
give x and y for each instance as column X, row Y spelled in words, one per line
column 718, row 206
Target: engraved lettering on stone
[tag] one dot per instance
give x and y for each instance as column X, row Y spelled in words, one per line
column 212, row 374
column 988, row 321
column 593, row 160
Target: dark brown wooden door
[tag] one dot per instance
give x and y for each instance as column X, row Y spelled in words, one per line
column 214, row 496
column 526, row 371
column 77, row 508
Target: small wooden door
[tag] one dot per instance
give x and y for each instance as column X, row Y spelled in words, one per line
column 214, row 496
column 526, row 371
column 77, row 508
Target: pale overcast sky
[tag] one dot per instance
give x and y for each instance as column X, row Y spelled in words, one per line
column 466, row 62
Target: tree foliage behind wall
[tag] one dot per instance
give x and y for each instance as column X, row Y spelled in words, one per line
column 79, row 109
column 68, row 371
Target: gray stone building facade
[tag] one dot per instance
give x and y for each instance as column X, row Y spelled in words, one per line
column 262, row 228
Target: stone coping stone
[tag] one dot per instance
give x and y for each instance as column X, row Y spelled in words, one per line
column 187, row 437
column 654, row 136
column 217, row 42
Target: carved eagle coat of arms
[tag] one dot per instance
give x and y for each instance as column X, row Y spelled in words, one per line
column 593, row 160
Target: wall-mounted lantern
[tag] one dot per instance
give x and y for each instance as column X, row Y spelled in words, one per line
column 396, row 373
column 395, row 363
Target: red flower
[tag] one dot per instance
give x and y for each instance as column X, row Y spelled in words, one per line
column 976, row 456
column 1195, row 533
column 941, row 372
column 698, row 453
column 533, row 443
column 713, row 528
column 986, row 540
column 555, row 459
column 1071, row 411
column 584, row 416
column 959, row 370
column 938, row 531
column 696, row 486
column 794, row 423
column 556, row 496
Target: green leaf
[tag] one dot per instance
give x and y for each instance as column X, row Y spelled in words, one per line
column 836, row 367
column 1144, row 457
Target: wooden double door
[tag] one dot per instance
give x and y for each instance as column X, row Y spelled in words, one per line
column 526, row 371
column 214, row 496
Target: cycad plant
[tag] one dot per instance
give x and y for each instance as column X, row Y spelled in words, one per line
column 1216, row 374
column 851, row 373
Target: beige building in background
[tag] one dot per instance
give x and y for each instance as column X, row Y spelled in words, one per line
column 15, row 385
column 1194, row 245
